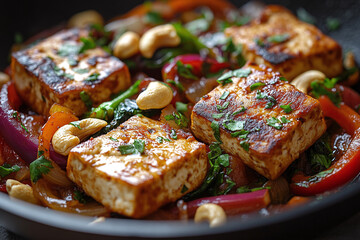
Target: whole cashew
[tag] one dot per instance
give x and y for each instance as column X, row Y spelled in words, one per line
column 212, row 213
column 85, row 18
column 127, row 45
column 157, row 37
column 157, row 95
column 21, row 191
column 70, row 135
column 303, row 81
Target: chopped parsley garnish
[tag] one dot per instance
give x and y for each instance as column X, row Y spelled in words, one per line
column 113, row 139
column 226, row 77
column 81, row 70
column 259, row 42
column 173, row 134
column 92, row 77
column 222, row 107
column 179, row 119
column 278, row 38
column 283, row 79
column 216, row 128
column 68, row 49
column 305, row 16
column 80, row 196
column 197, row 26
column 232, row 50
column 242, row 109
column 59, row 72
column 76, row 124
column 233, row 125
column 320, row 175
column 324, row 88
column 256, row 85
column 320, row 154
column 224, row 95
column 138, row 146
column 161, row 139
column 245, row 145
column 154, row 18
column 185, row 70
column 271, row 101
column 284, row 120
column 87, row 43
column 332, row 24
column 217, row 115
column 7, row 169
column 240, row 134
column 178, row 85
column 85, row 97
column 39, row 167
column 274, row 122
column 181, row 107
column 287, row 108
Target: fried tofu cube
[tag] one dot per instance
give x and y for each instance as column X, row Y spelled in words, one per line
column 172, row 164
column 57, row 70
column 281, row 41
column 260, row 118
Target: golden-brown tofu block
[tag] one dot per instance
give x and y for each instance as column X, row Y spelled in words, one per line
column 135, row 185
column 56, row 70
column 261, row 119
column 281, row 41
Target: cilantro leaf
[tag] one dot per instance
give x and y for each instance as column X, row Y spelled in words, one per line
column 319, row 89
column 39, row 167
column 287, row 108
column 305, row 16
column 332, row 24
column 76, row 124
column 185, row 70
column 222, row 107
column 181, row 107
column 256, row 85
column 87, row 43
column 85, row 97
column 154, row 18
column 138, row 146
column 234, row 125
column 6, row 170
column 173, row 134
column 278, row 38
column 245, row 145
column 224, row 95
column 93, row 77
column 274, row 122
column 216, row 128
column 240, row 134
column 284, row 120
column 217, row 115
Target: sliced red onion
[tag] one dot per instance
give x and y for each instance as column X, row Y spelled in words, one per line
column 23, row 143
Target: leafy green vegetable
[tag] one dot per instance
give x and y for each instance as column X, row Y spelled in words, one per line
column 68, row 49
column 222, row 107
column 154, row 18
column 93, row 77
column 274, row 122
column 284, row 120
column 242, row 109
column 240, row 134
column 323, row 88
column 76, row 124
column 185, row 70
column 177, row 84
column 80, row 70
column 246, row 189
column 184, row 189
column 113, row 139
column 271, row 101
column 80, row 196
column 233, row 125
column 224, row 95
column 231, row 50
column 181, row 107
column 179, row 119
column 87, row 43
column 226, row 77
column 283, row 79
column 6, row 169
column 39, row 167
column 278, row 38
column 217, row 115
column 287, row 108
column 256, row 85
column 173, row 134
column 245, row 145
column 320, row 154
column 225, row 81
column 138, row 146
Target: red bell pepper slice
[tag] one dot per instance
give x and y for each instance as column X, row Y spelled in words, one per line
column 344, row 169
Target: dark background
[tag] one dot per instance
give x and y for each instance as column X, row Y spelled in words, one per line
column 31, row 17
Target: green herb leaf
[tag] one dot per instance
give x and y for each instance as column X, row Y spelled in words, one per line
column 278, row 38
column 216, row 128
column 185, row 70
column 80, row 70
column 274, row 122
column 242, row 72
column 224, row 95
column 224, row 160
column 179, row 119
column 173, row 134
column 332, row 24
column 178, row 85
column 246, row 189
column 87, row 43
column 138, row 146
column 259, row 42
column 242, row 109
column 154, row 18
column 76, row 124
column 197, row 26
column 184, row 189
column 319, row 89
column 85, row 97
column 113, row 139
column 68, row 49
column 217, row 115
column 284, row 120
column 234, row 125
column 256, row 85
column 39, row 167
column 80, row 196
column 6, row 170
column 245, row 145
column 240, row 134
column 283, row 79
column 271, row 102
column 287, row 108
column 93, row 77
column 181, row 107
column 222, row 107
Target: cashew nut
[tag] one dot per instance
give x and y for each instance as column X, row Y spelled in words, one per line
column 157, row 37
column 85, row 18
column 70, row 135
column 4, row 78
column 212, row 213
column 127, row 45
column 21, row 191
column 349, row 62
column 303, row 81
column 157, row 95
